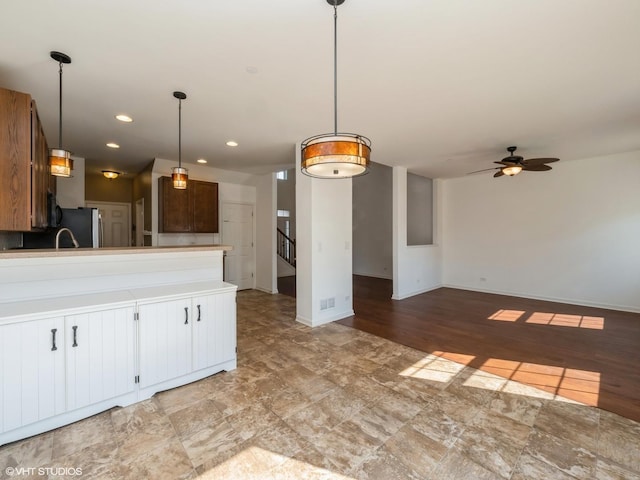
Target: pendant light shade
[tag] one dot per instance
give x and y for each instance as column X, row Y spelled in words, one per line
column 179, row 175
column 60, row 163
column 335, row 155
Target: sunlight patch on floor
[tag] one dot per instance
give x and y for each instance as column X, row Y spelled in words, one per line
column 549, row 318
column 521, row 378
column 565, row 320
column 507, row 315
column 255, row 462
column 433, row 368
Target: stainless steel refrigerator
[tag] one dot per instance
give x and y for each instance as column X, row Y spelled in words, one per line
column 85, row 223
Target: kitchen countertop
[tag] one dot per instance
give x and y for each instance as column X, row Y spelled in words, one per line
column 71, row 252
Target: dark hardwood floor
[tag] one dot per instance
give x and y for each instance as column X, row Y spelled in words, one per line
column 586, row 354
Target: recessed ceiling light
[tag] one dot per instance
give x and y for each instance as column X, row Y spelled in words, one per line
column 231, row 143
column 201, row 160
column 113, row 145
column 124, row 118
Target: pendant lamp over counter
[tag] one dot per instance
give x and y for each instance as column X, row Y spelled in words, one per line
column 179, row 175
column 335, row 155
column 60, row 162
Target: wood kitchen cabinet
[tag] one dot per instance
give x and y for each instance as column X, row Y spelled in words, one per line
column 24, row 168
column 194, row 210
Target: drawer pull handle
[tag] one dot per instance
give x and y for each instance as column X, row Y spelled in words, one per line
column 198, row 312
column 75, row 336
column 53, row 339
column 186, row 315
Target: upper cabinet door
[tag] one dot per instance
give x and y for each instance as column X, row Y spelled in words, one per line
column 174, row 208
column 205, row 206
column 194, row 210
column 40, row 178
column 15, row 161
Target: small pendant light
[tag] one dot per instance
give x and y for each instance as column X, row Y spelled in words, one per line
column 335, row 155
column 60, row 162
column 179, row 175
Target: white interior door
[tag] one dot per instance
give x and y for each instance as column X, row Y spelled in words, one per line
column 237, row 231
column 116, row 229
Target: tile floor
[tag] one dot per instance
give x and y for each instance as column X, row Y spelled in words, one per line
column 336, row 403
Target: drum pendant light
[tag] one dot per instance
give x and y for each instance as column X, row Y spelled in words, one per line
column 60, row 163
column 335, row 155
column 179, row 175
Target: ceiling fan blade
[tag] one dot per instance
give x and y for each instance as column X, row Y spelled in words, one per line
column 539, row 161
column 498, row 174
column 508, row 164
column 484, row 170
column 536, row 168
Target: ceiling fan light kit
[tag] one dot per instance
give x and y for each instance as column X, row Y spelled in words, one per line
column 335, row 155
column 60, row 163
column 514, row 164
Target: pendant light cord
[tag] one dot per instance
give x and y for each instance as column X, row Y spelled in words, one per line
column 60, row 109
column 335, row 68
column 179, row 133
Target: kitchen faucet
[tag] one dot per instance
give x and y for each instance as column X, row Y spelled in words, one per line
column 73, row 239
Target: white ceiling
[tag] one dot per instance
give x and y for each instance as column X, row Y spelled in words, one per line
column 441, row 87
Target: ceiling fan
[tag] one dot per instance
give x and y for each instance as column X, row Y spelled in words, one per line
column 514, row 164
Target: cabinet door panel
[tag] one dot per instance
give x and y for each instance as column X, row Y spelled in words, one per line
column 101, row 360
column 174, row 208
column 33, row 378
column 214, row 336
column 39, row 171
column 165, row 341
column 15, row 164
column 205, row 206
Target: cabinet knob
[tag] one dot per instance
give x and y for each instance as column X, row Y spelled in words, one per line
column 198, row 313
column 75, row 336
column 53, row 339
column 186, row 315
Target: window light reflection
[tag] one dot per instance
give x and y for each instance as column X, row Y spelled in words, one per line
column 509, row 376
column 548, row 318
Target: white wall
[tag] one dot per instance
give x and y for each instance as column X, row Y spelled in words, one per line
column 266, row 193
column 416, row 269
column 373, row 223
column 569, row 235
column 70, row 190
column 324, row 256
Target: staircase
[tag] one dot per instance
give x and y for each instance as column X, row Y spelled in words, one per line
column 286, row 248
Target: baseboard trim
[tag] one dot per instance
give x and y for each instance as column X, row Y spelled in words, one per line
column 266, row 290
column 402, row 296
column 323, row 321
column 582, row 303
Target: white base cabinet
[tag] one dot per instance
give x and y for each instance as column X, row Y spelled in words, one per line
column 33, row 372
column 59, row 368
column 100, row 356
